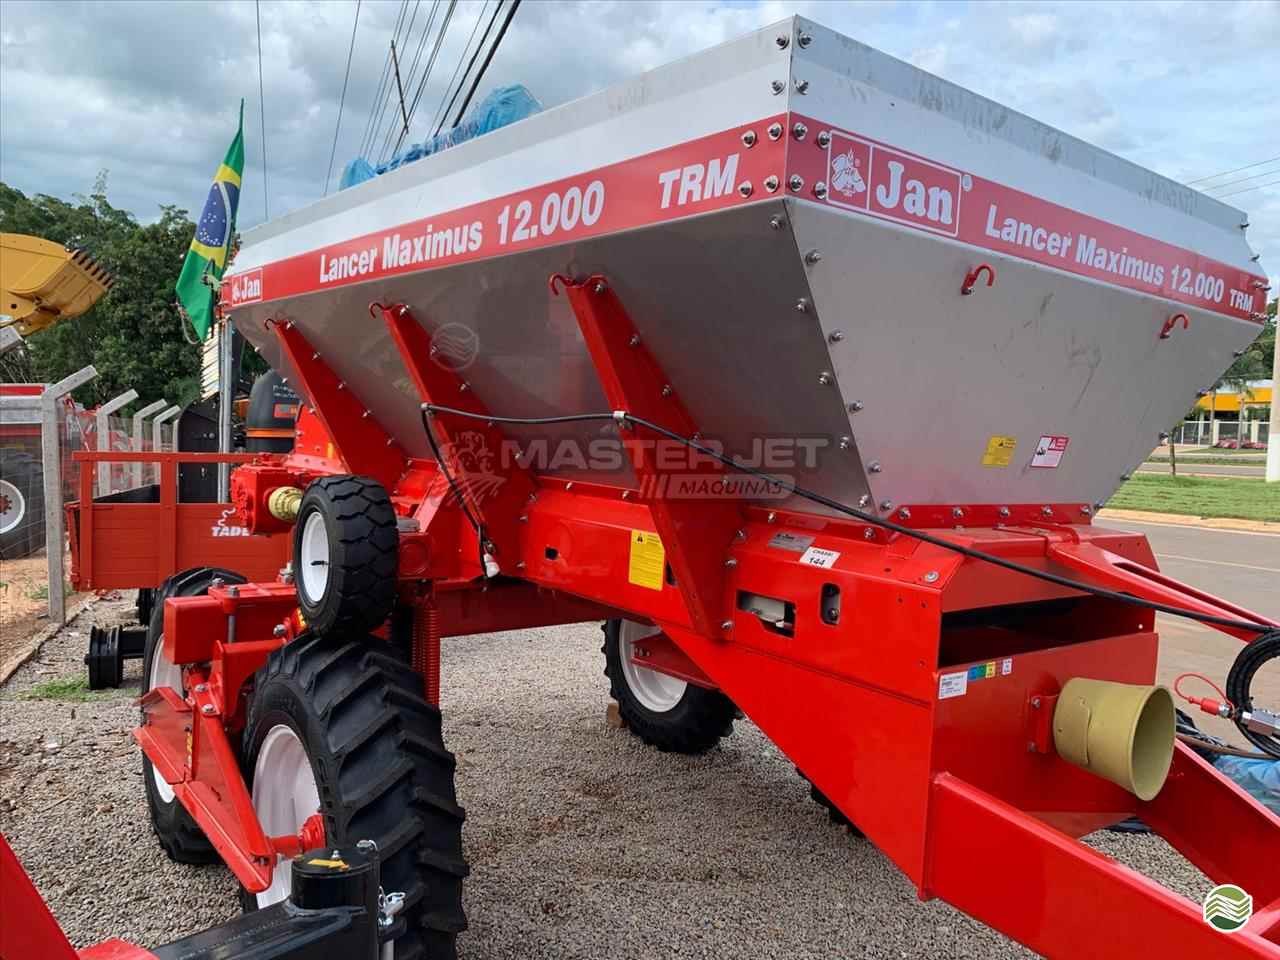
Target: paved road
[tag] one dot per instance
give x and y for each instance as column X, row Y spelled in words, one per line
column 1189, row 468
column 1238, row 566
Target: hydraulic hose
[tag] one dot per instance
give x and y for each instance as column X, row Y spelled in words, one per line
column 1239, row 683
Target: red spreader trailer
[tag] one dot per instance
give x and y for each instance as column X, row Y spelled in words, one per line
column 805, row 372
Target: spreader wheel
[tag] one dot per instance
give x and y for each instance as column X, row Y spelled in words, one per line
column 342, row 730
column 663, row 711
column 181, row 836
column 345, row 554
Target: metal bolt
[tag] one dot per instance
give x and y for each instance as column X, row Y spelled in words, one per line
column 568, row 486
column 904, row 513
column 626, row 494
column 813, row 256
column 782, row 41
column 233, row 591
column 740, row 536
column 804, row 39
column 1003, row 511
column 864, row 500
column 824, row 379
column 342, row 384
column 799, row 131
column 745, row 188
column 463, row 387
column 795, row 182
column 835, row 336
column 802, row 305
column 957, row 513
column 1035, row 703
column 726, row 624
column 519, row 564
column 846, row 443
column 363, row 416
column 868, row 533
column 666, row 389
column 731, row 562
column 802, row 86
column 278, row 630
column 824, row 138
column 599, row 287
column 524, row 519
column 1086, row 510
column 315, row 355
column 696, row 436
column 874, row 467
column 778, row 86
column 1047, row 511
column 775, row 130
column 772, row 517
column 207, row 709
column 749, row 139
column 771, row 184
column 201, row 687
column 775, row 222
column 931, row 576
column 820, row 190
column 856, row 406
column 886, row 505
column 634, row 341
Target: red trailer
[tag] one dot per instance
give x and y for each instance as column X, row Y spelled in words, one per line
column 642, row 384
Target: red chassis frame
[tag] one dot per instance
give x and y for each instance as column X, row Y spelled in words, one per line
column 964, row 793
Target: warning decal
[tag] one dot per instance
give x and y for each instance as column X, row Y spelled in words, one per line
column 647, row 560
column 1049, row 452
column 999, row 451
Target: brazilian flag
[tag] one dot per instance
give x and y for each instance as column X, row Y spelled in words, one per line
column 207, row 258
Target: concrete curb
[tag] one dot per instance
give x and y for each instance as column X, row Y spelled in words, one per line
column 1182, row 520
column 10, row 666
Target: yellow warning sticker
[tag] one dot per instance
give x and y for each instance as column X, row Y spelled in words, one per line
column 648, row 560
column 999, row 451
column 331, row 864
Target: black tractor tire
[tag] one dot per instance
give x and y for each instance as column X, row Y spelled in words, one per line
column 694, row 725
column 364, row 555
column 22, row 489
column 145, row 605
column 382, row 771
column 179, row 834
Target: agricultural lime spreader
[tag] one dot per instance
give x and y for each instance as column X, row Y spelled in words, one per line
column 804, row 370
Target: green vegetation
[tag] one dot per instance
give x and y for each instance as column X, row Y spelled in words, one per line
column 1244, row 498
column 1189, row 462
column 39, row 593
column 72, row 689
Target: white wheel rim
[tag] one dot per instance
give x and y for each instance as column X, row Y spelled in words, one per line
column 314, row 557
column 658, row 692
column 13, row 506
column 284, row 796
column 164, row 673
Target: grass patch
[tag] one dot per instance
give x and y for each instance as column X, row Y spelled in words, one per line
column 1186, row 460
column 1243, row 498
column 39, row 593
column 72, row 689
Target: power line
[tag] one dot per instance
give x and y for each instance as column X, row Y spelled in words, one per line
column 497, row 41
column 403, row 122
column 262, row 112
column 1255, row 176
column 1247, row 166
column 384, row 97
column 343, row 99
column 426, row 74
column 1269, row 183
column 382, row 81
column 442, row 112
column 406, row 113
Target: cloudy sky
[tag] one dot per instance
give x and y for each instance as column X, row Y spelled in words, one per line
column 148, row 91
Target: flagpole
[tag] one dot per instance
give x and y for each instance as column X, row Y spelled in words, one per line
column 226, row 389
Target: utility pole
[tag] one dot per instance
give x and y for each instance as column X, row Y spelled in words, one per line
column 1273, row 436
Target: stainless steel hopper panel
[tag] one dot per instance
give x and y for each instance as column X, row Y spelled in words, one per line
column 714, row 285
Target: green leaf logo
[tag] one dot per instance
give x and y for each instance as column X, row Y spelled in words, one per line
column 1227, row 908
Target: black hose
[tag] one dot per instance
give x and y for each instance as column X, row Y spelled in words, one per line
column 623, row 417
column 1240, row 679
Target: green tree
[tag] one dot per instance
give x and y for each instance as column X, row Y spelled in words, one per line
column 133, row 335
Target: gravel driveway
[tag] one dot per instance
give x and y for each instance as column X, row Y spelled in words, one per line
column 583, row 842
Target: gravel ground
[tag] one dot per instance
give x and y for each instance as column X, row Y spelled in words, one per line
column 583, row 842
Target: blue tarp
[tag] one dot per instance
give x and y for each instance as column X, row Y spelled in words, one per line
column 503, row 106
column 1258, row 778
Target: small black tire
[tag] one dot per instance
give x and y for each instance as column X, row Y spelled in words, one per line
column 179, row 834
column 834, row 814
column 693, row 724
column 21, row 504
column 358, row 524
column 382, row 773
column 145, row 604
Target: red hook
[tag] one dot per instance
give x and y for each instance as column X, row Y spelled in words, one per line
column 971, row 278
column 558, row 277
column 1173, row 322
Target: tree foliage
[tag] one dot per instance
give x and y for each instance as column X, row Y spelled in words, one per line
column 1256, row 360
column 133, row 335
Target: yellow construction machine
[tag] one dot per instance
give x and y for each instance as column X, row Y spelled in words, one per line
column 42, row 282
